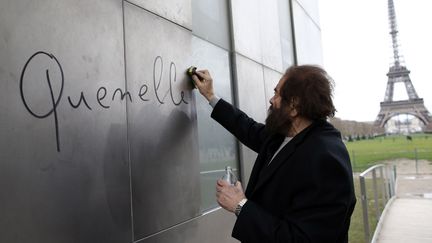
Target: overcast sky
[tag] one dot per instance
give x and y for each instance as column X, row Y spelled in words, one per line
column 357, row 52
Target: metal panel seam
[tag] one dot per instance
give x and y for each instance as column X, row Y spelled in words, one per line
column 157, row 15
column 127, row 128
column 181, row 223
column 293, row 33
column 307, row 13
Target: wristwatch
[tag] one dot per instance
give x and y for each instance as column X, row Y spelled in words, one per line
column 239, row 206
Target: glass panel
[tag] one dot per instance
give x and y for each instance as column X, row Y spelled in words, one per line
column 311, row 7
column 246, row 28
column 262, row 32
column 177, row 11
column 210, row 21
column 308, row 37
column 217, row 146
column 251, row 91
column 286, row 34
column 271, row 79
column 251, row 95
column 270, row 34
column 215, row 227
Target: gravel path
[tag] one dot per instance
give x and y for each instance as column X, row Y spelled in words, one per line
column 412, row 181
column 406, row 166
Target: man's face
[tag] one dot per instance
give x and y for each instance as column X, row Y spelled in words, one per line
column 276, row 100
column 279, row 119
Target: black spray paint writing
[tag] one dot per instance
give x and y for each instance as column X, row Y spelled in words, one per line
column 101, row 93
column 54, row 101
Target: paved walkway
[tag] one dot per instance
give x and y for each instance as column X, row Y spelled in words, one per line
column 409, row 217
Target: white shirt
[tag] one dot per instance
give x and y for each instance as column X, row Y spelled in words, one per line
column 214, row 101
column 285, row 142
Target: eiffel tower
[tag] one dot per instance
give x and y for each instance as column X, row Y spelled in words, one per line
column 399, row 73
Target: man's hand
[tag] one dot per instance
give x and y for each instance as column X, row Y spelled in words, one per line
column 204, row 83
column 229, row 196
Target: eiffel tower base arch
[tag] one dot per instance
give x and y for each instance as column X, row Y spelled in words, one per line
column 413, row 107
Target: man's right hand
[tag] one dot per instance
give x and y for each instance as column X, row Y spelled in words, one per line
column 204, row 83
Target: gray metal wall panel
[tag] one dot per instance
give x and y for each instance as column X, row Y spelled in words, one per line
column 251, row 98
column 77, row 191
column 246, row 28
column 214, row 227
column 270, row 35
column 210, row 21
column 178, row 11
column 256, row 31
column 247, row 160
column 251, row 90
column 308, row 37
column 162, row 125
column 286, row 30
column 217, row 147
column 271, row 79
column 312, row 9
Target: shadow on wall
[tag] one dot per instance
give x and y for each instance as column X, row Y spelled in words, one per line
column 116, row 179
column 165, row 169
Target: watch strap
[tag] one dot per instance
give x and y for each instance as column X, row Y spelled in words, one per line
column 240, row 206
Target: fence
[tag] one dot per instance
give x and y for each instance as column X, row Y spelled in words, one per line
column 382, row 189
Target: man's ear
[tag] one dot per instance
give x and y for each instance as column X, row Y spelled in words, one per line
column 293, row 106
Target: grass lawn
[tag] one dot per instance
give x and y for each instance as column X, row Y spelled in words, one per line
column 367, row 152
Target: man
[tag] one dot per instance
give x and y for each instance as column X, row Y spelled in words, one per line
column 301, row 187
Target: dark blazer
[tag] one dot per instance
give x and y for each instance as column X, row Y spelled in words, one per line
column 306, row 194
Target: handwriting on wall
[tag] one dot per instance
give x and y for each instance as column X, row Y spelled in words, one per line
column 101, row 94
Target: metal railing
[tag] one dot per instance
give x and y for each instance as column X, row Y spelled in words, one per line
column 386, row 189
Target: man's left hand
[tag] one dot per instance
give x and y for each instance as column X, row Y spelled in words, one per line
column 229, row 196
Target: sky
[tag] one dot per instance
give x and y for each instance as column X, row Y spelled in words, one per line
column 357, row 52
